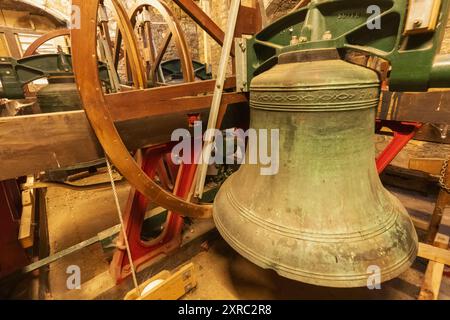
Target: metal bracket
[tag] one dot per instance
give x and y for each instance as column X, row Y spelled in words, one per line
column 355, row 25
column 240, row 48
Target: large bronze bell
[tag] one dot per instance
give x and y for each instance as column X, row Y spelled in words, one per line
column 325, row 218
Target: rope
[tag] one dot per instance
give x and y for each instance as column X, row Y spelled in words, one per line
column 119, row 212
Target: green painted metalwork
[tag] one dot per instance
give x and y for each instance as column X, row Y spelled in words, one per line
column 172, row 70
column 343, row 24
column 15, row 74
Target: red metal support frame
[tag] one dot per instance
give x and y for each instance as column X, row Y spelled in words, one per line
column 403, row 133
column 12, row 255
column 143, row 252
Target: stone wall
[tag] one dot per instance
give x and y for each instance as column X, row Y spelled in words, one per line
column 219, row 14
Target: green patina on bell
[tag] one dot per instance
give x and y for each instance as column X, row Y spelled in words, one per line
column 325, row 218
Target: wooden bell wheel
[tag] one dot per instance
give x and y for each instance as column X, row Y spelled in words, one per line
column 161, row 232
column 98, row 105
column 140, row 18
column 34, row 47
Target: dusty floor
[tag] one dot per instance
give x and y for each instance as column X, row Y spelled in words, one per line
column 222, row 273
column 77, row 216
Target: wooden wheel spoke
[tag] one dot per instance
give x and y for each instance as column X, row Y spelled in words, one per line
column 103, row 110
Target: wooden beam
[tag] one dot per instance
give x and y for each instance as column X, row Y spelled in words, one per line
column 147, row 97
column 420, row 224
column 432, row 281
column 434, row 272
column 31, row 144
column 433, row 253
column 249, row 21
column 202, row 19
column 122, row 110
column 432, row 107
column 26, row 230
column 430, row 133
column 167, row 286
column 13, row 44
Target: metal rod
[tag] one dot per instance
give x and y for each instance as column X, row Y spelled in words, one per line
column 99, row 237
column 217, row 98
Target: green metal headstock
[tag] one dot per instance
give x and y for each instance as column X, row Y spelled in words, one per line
column 15, row 74
column 352, row 25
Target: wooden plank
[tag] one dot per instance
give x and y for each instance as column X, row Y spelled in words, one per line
column 434, row 253
column 432, row 281
column 168, row 286
column 202, row 19
column 434, row 272
column 420, row 224
column 31, row 144
column 248, row 22
column 151, row 98
column 432, row 107
column 13, row 44
column 429, row 165
column 26, row 229
column 429, row 132
column 187, row 105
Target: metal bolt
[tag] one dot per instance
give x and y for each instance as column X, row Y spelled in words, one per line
column 188, row 288
column 303, row 39
column 327, row 35
column 186, row 275
column 8, row 72
column 443, row 130
column 294, row 40
column 242, row 46
column 417, row 23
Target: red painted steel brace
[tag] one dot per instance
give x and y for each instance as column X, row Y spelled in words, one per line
column 143, row 252
column 403, row 133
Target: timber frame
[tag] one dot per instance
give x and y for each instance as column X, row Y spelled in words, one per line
column 51, row 141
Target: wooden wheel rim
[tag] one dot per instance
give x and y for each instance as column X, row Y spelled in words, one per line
column 176, row 31
column 89, row 85
column 31, row 50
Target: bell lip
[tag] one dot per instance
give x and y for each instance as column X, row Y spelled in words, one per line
column 333, row 281
column 304, row 235
column 336, row 281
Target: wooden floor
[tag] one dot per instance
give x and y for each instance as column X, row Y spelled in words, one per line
column 222, row 273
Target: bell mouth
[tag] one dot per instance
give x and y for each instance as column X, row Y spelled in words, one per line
column 314, row 261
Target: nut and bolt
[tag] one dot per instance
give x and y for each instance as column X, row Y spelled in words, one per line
column 327, row 35
column 417, row 23
column 303, row 39
column 242, row 46
column 294, row 40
